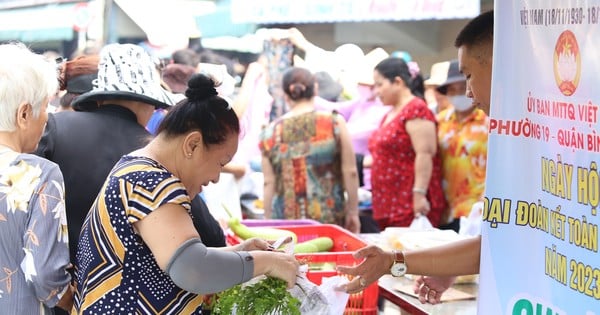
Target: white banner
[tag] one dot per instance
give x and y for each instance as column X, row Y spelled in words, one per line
column 540, row 230
column 325, row 11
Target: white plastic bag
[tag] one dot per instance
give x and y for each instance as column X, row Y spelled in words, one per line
column 323, row 299
column 421, row 223
column 471, row 225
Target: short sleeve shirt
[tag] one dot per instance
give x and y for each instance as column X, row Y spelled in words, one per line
column 463, row 147
column 116, row 272
column 34, row 252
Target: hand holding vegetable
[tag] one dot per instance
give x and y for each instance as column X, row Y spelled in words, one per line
column 280, row 265
column 256, row 243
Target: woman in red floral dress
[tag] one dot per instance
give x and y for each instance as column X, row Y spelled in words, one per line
column 406, row 171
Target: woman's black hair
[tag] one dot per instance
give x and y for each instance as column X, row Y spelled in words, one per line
column 202, row 110
column 298, row 84
column 393, row 67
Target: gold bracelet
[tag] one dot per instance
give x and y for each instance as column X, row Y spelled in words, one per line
column 419, row 191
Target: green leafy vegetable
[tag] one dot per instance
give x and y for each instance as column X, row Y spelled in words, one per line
column 267, row 296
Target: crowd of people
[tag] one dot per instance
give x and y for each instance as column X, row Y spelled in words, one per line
column 107, row 192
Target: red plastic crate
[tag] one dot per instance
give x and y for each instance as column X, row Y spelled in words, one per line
column 344, row 244
column 278, row 222
column 363, row 303
column 233, row 239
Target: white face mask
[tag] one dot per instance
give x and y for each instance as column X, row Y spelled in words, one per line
column 461, row 102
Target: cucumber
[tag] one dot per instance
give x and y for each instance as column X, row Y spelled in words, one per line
column 269, row 234
column 319, row 244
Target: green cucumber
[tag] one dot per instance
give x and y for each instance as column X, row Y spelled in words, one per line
column 266, row 233
column 319, row 244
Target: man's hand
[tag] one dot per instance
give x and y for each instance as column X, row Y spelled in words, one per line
column 430, row 289
column 376, row 263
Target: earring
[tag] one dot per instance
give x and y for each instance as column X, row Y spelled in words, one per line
column 189, row 155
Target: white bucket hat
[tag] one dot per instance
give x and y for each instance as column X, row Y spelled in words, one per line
column 126, row 72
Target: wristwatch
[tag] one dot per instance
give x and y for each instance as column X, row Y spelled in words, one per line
column 398, row 268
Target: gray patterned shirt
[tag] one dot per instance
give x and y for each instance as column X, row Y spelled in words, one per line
column 34, row 249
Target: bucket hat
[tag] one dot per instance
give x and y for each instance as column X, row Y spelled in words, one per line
column 126, row 72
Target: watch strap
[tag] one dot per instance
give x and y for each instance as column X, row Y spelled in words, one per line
column 399, row 257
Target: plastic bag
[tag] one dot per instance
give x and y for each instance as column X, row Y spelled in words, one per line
column 471, row 225
column 323, row 299
column 421, row 223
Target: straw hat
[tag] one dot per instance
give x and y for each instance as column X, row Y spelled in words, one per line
column 453, row 76
column 438, row 73
column 368, row 64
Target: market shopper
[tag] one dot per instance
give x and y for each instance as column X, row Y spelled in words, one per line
column 140, row 222
column 308, row 161
column 34, row 249
column 77, row 77
column 439, row 264
column 462, row 137
column 406, row 170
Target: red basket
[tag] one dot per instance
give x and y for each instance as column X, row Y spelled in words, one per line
column 233, row 239
column 363, row 303
column 278, row 222
column 344, row 243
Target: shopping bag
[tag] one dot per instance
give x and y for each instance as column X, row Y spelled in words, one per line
column 471, row 225
column 421, row 223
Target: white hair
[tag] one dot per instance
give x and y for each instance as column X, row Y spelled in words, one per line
column 25, row 78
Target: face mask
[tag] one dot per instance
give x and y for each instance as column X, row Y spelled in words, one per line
column 461, row 102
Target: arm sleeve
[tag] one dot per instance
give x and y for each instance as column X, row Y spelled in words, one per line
column 201, row 270
column 46, row 241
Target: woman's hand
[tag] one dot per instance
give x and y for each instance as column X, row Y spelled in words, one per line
column 256, row 243
column 352, row 222
column 421, row 205
column 66, row 301
column 283, row 266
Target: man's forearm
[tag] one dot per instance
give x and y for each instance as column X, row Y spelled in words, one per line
column 454, row 259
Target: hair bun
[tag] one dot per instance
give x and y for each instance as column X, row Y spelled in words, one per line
column 200, row 87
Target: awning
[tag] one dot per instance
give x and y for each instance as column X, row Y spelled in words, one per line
column 219, row 24
column 331, row 11
column 166, row 23
column 40, row 23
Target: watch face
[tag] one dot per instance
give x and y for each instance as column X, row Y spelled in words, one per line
column 398, row 269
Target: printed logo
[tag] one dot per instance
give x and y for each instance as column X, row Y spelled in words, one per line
column 567, row 63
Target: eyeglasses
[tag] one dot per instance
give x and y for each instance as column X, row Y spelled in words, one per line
column 60, row 61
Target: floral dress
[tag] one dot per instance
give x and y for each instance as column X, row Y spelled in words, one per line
column 34, row 252
column 304, row 151
column 393, row 170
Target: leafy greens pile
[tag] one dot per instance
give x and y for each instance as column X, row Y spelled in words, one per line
column 267, row 296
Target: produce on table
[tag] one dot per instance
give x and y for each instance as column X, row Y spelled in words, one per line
column 271, row 234
column 319, row 244
column 324, row 266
